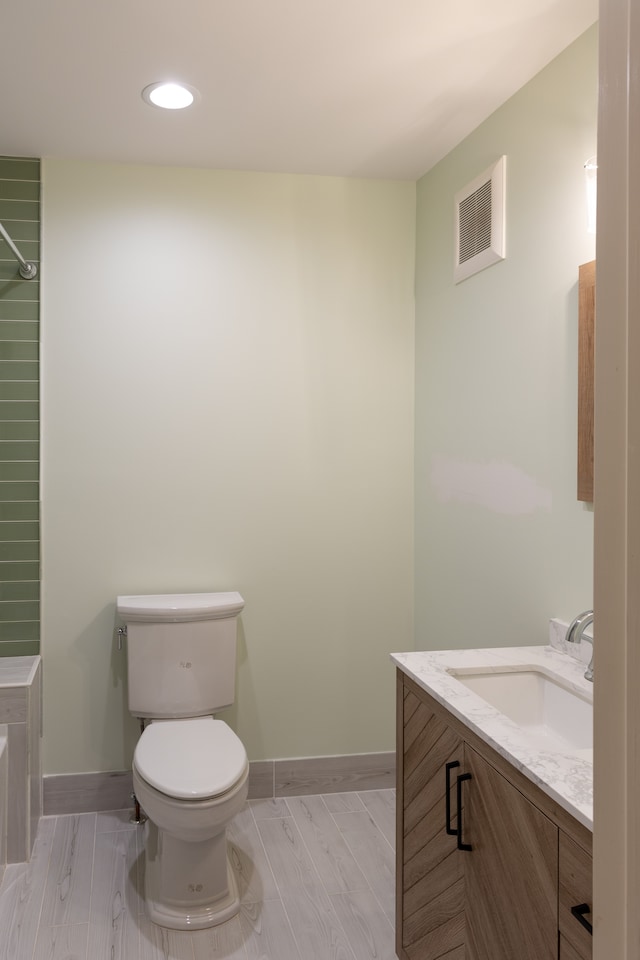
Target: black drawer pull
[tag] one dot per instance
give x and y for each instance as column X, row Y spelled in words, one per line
column 447, row 797
column 579, row 914
column 461, row 845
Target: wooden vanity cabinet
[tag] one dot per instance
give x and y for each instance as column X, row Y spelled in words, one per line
column 509, row 895
column 431, row 880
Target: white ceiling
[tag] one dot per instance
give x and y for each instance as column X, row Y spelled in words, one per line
column 371, row 88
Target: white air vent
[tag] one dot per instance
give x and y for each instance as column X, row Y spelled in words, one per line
column 480, row 220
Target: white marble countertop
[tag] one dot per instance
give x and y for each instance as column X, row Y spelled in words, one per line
column 563, row 774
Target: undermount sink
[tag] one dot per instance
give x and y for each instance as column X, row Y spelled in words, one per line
column 551, row 714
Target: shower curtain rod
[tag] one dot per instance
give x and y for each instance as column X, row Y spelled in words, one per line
column 27, row 270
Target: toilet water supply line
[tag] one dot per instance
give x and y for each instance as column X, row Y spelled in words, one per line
column 137, row 816
column 27, row 269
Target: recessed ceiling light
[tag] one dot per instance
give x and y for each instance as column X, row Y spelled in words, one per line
column 170, row 96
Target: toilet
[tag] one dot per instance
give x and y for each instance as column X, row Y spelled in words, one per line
column 190, row 770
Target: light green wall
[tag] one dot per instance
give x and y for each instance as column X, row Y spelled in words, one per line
column 228, row 405
column 502, row 544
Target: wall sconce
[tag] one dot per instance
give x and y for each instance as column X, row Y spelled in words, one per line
column 591, row 179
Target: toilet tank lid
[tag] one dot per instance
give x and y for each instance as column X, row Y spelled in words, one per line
column 179, row 607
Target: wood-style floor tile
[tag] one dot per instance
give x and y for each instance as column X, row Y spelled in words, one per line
column 158, row 943
column 67, row 894
column 108, row 821
column 374, row 855
column 315, row 875
column 381, row 804
column 343, row 802
column 249, row 861
column 369, row 932
column 62, row 943
column 317, row 930
column 21, row 897
column 224, row 942
column 331, row 856
column 267, row 932
column 113, row 927
column 272, row 807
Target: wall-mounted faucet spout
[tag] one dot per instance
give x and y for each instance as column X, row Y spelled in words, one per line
column 575, row 634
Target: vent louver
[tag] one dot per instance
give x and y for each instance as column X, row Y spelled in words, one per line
column 475, row 223
column 479, row 210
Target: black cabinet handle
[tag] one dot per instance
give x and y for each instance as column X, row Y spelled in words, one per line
column 459, row 781
column 579, row 914
column 447, row 797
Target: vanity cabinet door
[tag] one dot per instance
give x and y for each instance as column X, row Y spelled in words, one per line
column 511, row 873
column 430, row 878
column 575, row 895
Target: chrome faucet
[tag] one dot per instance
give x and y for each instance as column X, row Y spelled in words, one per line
column 575, row 634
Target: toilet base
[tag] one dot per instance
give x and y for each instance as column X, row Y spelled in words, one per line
column 188, row 885
column 197, row 918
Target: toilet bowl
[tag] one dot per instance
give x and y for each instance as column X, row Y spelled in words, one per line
column 191, row 778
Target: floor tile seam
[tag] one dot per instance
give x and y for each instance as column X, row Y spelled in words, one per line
column 326, row 889
column 65, row 926
column 285, row 896
column 341, row 794
column 79, row 817
column 353, row 813
column 362, row 869
column 379, row 828
column 323, row 885
column 333, row 915
column 381, row 907
column 268, row 861
column 257, row 801
column 383, row 790
column 374, row 894
column 44, row 888
column 291, row 927
column 276, row 816
column 381, row 911
column 93, row 868
column 303, row 841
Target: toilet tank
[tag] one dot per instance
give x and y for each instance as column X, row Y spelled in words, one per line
column 181, row 652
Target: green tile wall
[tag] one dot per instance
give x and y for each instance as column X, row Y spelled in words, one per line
column 19, row 411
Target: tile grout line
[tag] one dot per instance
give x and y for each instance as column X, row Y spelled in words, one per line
column 267, row 860
column 275, row 880
column 381, row 831
column 309, row 854
column 44, row 887
column 364, row 872
column 93, row 864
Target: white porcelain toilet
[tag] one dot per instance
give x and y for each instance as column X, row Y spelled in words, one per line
column 190, row 771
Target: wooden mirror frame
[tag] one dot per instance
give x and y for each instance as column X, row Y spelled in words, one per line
column 586, row 331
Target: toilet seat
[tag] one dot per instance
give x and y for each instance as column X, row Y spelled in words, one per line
column 193, row 759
